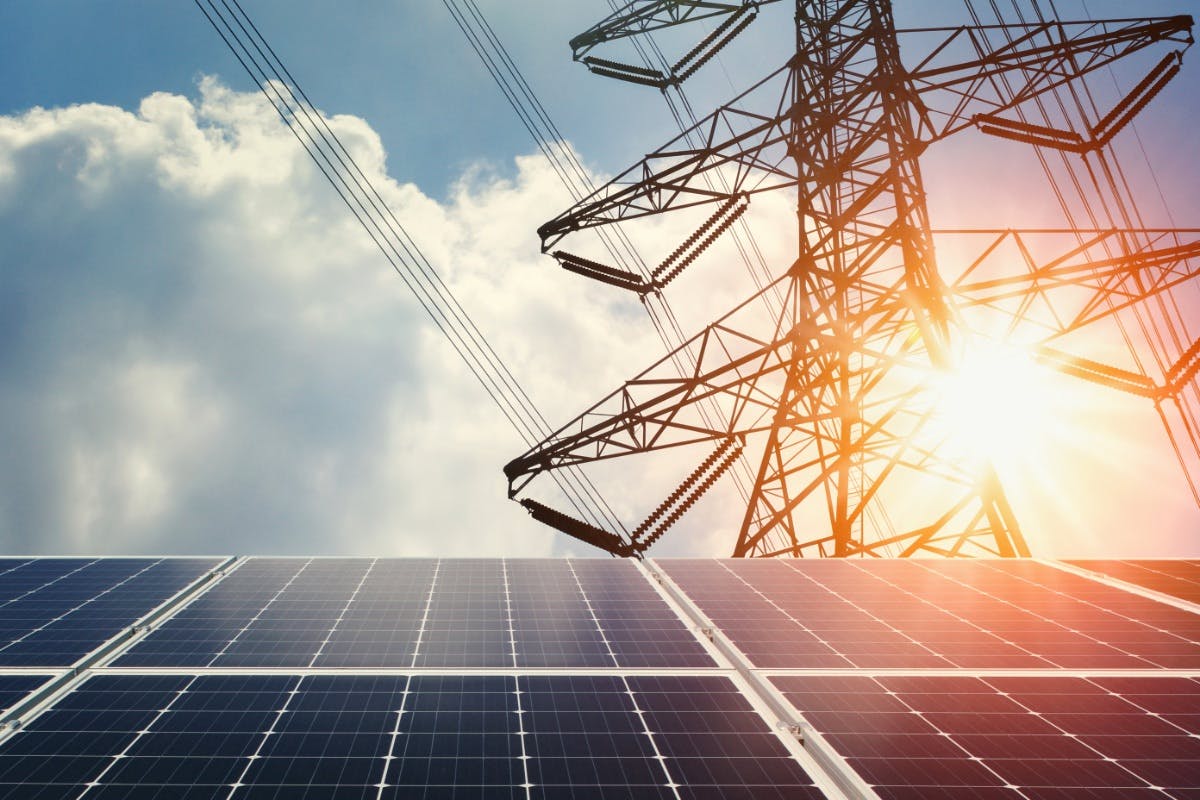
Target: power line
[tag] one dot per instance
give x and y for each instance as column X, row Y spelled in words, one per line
column 260, row 61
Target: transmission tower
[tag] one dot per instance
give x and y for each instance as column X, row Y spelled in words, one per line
column 826, row 379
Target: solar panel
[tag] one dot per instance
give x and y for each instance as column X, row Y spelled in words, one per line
column 428, row 735
column 15, row 688
column 639, row 628
column 908, row 614
column 452, row 613
column 540, row 678
column 55, row 611
column 1176, row 577
column 1090, row 737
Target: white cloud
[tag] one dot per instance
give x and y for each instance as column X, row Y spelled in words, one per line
column 201, row 351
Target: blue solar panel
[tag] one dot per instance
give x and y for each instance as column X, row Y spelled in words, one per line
column 467, row 624
column 56, row 611
column 640, row 628
column 425, row 735
column 903, row 614
column 452, row 613
column 920, row 735
column 1177, row 577
column 15, row 688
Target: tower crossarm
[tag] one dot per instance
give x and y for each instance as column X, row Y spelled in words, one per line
column 648, row 16
column 740, row 140
column 976, row 71
column 1102, row 275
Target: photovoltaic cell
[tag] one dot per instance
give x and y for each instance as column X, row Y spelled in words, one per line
column 55, row 611
column 343, row 736
column 399, row 613
column 922, row 736
column 553, row 625
column 382, row 621
column 1176, row 577
column 909, row 614
column 197, row 635
column 714, row 743
column 467, row 621
column 640, row 628
column 15, row 688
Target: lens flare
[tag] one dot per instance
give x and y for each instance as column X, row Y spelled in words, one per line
column 995, row 405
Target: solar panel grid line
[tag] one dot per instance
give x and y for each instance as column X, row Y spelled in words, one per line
column 342, row 615
column 56, row 683
column 787, row 614
column 425, row 614
column 20, row 563
column 64, row 681
column 1126, row 585
column 950, row 611
column 63, row 576
column 705, row 628
column 421, row 670
column 1046, row 735
column 512, row 628
column 225, row 649
column 395, row 733
column 181, row 602
column 526, row 784
column 837, row 777
column 113, row 647
column 592, row 612
column 657, row 581
column 888, row 625
column 1146, row 660
column 270, row 731
column 658, row 755
column 830, row 771
column 97, row 780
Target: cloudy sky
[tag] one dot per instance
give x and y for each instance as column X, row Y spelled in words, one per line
column 201, row 352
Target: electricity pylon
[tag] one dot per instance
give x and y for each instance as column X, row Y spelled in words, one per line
column 826, row 378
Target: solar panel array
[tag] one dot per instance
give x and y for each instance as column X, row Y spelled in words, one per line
column 1177, row 577
column 54, row 611
column 445, row 614
column 339, row 678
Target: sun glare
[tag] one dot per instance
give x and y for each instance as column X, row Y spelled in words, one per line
column 995, row 406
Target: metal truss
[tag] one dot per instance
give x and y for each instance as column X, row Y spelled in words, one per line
column 829, row 373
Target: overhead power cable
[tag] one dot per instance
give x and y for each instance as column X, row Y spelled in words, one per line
column 563, row 160
column 260, row 61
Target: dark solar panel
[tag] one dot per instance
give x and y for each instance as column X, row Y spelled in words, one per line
column 467, row 623
column 398, row 613
column 334, row 736
column 198, row 635
column 382, row 621
column 640, row 628
column 1176, row 577
column 15, row 688
column 1047, row 736
column 934, row 614
column 56, row 611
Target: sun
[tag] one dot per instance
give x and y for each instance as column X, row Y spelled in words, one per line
column 997, row 405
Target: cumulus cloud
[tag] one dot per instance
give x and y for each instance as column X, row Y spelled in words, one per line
column 201, row 351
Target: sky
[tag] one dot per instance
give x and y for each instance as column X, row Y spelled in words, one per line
column 200, row 352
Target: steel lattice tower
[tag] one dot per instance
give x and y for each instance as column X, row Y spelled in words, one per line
column 826, row 378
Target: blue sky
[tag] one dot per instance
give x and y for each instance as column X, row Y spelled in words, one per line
column 199, row 352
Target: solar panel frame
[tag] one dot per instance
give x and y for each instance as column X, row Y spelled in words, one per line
column 514, row 735
column 860, row 618
column 1029, row 732
column 59, row 610
column 428, row 613
column 1176, row 577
